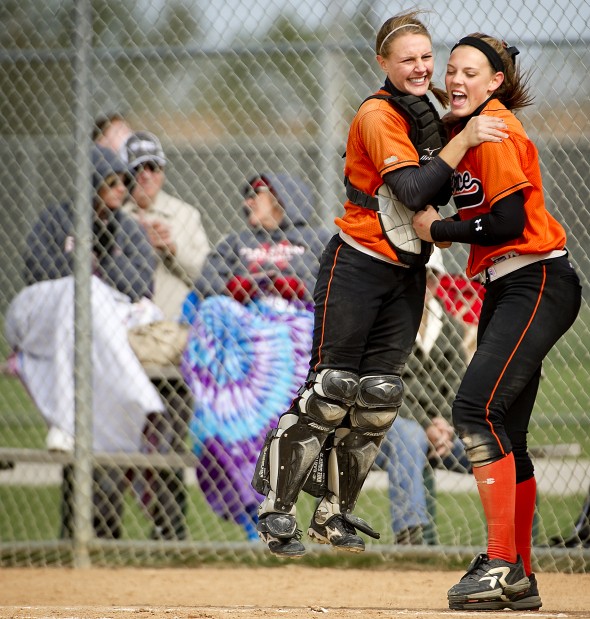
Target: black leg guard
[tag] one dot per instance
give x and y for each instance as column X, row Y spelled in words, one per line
column 293, row 449
column 316, row 483
column 378, row 400
column 355, row 449
column 356, row 454
column 298, row 447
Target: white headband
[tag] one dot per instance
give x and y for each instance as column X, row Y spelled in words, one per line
column 395, row 30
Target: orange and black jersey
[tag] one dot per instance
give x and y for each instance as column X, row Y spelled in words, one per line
column 378, row 143
column 494, row 170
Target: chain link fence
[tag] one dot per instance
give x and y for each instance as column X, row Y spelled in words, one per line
column 233, row 89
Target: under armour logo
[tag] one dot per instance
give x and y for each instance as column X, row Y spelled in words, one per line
column 478, row 226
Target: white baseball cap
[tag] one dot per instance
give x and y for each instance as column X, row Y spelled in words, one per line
column 141, row 147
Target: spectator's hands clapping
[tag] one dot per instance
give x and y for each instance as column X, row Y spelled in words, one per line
column 289, row 287
column 440, row 434
column 159, row 234
column 242, row 288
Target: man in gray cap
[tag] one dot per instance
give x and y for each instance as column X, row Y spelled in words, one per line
column 174, row 227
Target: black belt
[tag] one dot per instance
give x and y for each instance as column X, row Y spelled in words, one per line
column 360, row 198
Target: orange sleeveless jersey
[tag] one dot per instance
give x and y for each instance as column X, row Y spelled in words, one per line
column 378, row 142
column 492, row 171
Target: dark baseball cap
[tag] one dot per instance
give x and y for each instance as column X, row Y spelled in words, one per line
column 257, row 184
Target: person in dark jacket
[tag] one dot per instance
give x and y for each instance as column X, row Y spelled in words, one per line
column 122, row 254
column 40, row 328
column 278, row 253
column 250, row 333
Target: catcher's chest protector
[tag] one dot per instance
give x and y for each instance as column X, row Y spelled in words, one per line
column 426, row 129
column 427, row 136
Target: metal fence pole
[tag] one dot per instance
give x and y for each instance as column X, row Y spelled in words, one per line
column 330, row 104
column 82, row 273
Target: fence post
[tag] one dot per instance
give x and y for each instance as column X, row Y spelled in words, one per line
column 82, row 273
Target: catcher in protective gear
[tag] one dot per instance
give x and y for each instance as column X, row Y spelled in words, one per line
column 368, row 299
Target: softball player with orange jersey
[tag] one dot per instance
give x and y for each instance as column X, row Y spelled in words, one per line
column 369, row 298
column 532, row 297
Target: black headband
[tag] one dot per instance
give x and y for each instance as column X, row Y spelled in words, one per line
column 485, row 48
column 511, row 51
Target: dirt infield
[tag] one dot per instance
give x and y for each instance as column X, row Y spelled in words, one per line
column 289, row 592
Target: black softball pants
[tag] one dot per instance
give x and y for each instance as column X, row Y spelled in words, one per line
column 367, row 312
column 524, row 314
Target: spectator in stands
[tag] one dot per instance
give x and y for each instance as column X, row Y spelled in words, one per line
column 40, row 328
column 422, row 436
column 177, row 235
column 251, row 328
column 174, row 227
column 111, row 131
column 122, row 254
column 277, row 253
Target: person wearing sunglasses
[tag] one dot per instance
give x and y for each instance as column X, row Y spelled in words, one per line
column 277, row 252
column 173, row 226
column 122, row 254
column 40, row 329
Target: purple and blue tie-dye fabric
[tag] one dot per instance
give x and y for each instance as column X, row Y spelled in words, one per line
column 244, row 364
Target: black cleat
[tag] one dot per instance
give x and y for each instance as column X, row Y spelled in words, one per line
column 280, row 533
column 525, row 600
column 492, row 584
column 337, row 532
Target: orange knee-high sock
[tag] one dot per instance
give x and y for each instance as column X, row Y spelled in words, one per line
column 496, row 484
column 526, row 497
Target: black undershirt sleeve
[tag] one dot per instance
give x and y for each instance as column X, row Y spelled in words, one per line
column 504, row 222
column 417, row 186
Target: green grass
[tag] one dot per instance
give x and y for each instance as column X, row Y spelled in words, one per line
column 563, row 392
column 21, row 424
column 33, row 514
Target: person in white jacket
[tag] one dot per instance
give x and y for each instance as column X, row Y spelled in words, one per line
column 174, row 227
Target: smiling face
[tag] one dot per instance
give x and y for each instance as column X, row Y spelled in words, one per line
column 149, row 180
column 469, row 80
column 409, row 63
